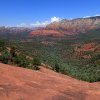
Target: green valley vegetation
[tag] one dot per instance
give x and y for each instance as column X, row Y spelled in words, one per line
column 11, row 55
column 77, row 56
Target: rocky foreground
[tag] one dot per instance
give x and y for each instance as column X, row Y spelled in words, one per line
column 24, row 84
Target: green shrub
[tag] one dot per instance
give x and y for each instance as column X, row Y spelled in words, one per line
column 57, row 67
column 21, row 60
column 5, row 57
column 36, row 63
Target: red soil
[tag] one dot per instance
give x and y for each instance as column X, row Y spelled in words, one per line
column 24, row 84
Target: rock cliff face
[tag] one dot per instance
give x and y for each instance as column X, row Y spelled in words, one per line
column 46, row 32
column 69, row 27
column 75, row 26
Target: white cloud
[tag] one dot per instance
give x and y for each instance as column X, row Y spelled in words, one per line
column 55, row 19
column 97, row 15
column 22, row 25
column 40, row 24
column 86, row 16
column 91, row 16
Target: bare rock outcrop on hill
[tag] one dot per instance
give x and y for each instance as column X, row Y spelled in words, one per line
column 68, row 27
column 23, row 84
column 75, row 26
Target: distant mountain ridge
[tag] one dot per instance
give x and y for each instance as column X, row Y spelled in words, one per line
column 61, row 28
column 75, row 26
column 69, row 27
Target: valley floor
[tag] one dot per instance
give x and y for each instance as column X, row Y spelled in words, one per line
column 23, row 84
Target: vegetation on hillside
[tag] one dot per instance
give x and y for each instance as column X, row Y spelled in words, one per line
column 11, row 55
column 77, row 55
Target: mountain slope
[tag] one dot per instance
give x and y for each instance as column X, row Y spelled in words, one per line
column 23, row 84
column 61, row 28
column 75, row 26
column 69, row 27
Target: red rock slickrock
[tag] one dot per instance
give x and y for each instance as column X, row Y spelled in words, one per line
column 23, row 84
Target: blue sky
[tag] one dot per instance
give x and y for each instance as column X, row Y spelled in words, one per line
column 16, row 12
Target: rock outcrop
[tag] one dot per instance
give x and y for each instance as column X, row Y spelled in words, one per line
column 23, row 84
column 75, row 26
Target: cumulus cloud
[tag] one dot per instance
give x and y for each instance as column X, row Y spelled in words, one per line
column 55, row 19
column 40, row 24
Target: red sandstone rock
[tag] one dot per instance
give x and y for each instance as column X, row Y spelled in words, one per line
column 23, row 84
